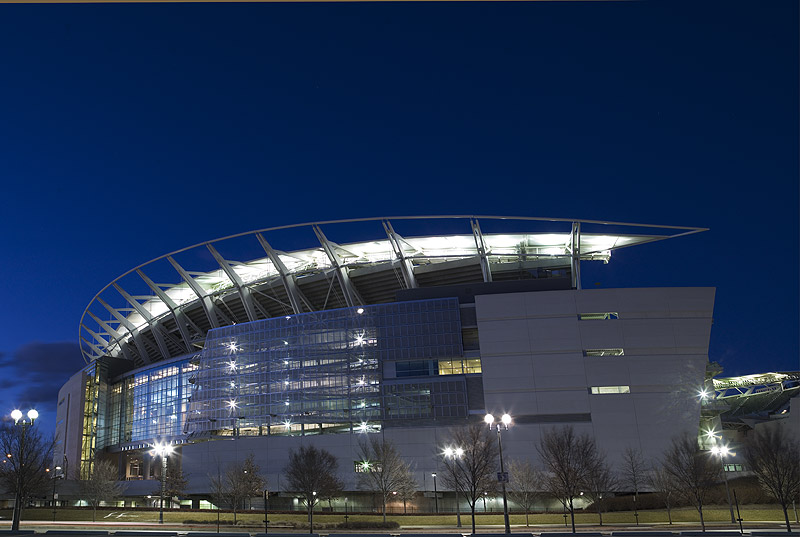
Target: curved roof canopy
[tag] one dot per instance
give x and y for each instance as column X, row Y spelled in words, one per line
column 136, row 318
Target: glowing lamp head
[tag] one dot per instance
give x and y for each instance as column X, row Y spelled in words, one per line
column 360, row 311
column 16, row 414
column 161, row 450
column 506, row 419
column 488, row 419
column 459, row 452
column 33, row 414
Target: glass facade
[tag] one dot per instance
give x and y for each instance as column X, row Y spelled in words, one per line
column 150, row 404
column 323, row 372
column 346, row 370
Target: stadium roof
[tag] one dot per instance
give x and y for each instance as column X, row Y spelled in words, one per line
column 134, row 317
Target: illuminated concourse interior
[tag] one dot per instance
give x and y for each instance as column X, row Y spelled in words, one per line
column 402, row 336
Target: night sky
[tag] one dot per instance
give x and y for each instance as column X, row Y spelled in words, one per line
column 129, row 131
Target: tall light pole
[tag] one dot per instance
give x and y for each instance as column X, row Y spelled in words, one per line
column 162, row 450
column 18, row 498
column 722, row 452
column 55, row 497
column 311, row 512
column 266, row 511
column 435, row 493
column 455, row 454
column 502, row 425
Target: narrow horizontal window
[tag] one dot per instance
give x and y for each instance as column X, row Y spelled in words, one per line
column 733, row 468
column 598, row 316
column 603, row 352
column 606, row 390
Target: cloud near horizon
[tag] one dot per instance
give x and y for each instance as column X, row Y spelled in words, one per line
column 32, row 376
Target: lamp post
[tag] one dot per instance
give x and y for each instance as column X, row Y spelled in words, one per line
column 18, row 497
column 435, row 493
column 722, row 452
column 455, row 454
column 266, row 511
column 311, row 512
column 502, row 425
column 163, row 451
column 55, row 496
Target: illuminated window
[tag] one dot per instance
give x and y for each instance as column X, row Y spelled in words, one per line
column 607, row 390
column 459, row 367
column 606, row 316
column 603, row 352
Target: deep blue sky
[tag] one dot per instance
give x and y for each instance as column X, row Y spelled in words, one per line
column 128, row 131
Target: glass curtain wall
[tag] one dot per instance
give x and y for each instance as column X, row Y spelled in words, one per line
column 317, row 372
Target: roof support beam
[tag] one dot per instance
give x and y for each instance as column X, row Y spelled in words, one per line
column 405, row 264
column 116, row 335
column 480, row 244
column 296, row 297
column 155, row 329
column 137, row 338
column 209, row 307
column 181, row 320
column 575, row 251
column 351, row 296
column 95, row 348
column 244, row 291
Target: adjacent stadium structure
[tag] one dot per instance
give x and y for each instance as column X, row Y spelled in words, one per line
column 405, row 327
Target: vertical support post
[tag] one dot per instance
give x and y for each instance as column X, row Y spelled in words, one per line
column 575, row 255
column 163, row 487
column 503, row 483
column 266, row 511
column 435, row 494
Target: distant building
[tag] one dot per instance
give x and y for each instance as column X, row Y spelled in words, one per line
column 403, row 336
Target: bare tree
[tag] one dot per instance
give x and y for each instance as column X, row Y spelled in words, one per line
column 102, row 485
column 240, row 482
column 525, row 485
column 567, row 458
column 312, row 473
column 24, row 470
column 599, row 482
column 472, row 472
column 383, row 471
column 407, row 490
column 175, row 483
column 253, row 482
column 692, row 470
column 632, row 475
column 775, row 460
column 664, row 485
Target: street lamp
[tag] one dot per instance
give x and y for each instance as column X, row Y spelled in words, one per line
column 505, row 421
column 55, row 496
column 722, row 452
column 163, row 451
column 311, row 511
column 455, row 454
column 19, row 421
column 266, row 511
column 435, row 493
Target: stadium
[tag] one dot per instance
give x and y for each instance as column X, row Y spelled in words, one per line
column 406, row 327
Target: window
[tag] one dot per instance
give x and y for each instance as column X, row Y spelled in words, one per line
column 606, row 390
column 606, row 316
column 417, row 368
column 603, row 352
column 733, row 467
column 459, row 367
